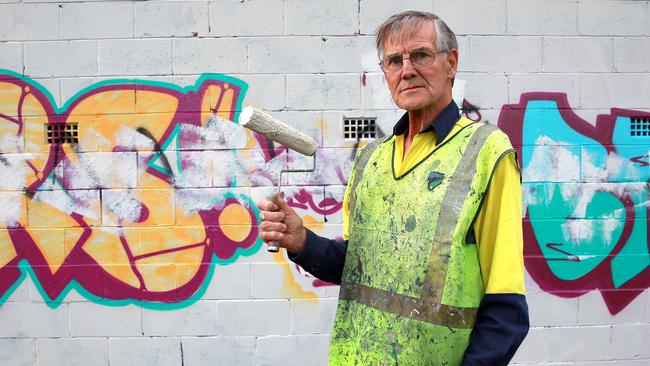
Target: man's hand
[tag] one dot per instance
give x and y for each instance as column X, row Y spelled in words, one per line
column 281, row 223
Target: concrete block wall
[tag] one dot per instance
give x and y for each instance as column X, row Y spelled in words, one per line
column 138, row 245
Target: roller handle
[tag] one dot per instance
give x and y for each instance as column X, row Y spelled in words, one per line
column 273, row 247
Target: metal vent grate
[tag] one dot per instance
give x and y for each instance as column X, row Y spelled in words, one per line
column 640, row 126
column 359, row 128
column 62, row 133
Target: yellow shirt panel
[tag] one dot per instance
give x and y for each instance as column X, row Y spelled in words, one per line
column 497, row 227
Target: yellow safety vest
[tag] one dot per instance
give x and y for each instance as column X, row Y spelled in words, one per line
column 411, row 283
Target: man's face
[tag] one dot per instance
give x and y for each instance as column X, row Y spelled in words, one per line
column 421, row 89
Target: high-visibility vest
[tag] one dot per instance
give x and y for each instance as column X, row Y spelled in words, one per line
column 412, row 283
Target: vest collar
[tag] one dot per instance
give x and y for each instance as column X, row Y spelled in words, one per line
column 442, row 125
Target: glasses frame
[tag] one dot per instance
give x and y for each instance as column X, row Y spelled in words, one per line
column 408, row 57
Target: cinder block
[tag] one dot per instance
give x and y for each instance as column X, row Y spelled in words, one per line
column 99, row 320
column 350, row 54
column 173, row 19
column 334, row 196
column 197, row 169
column 29, row 22
column 56, row 59
column 53, row 86
column 72, row 351
column 375, row 93
column 312, row 316
column 254, row 318
column 587, row 344
column 464, row 53
column 219, row 351
column 14, row 208
column 18, row 352
column 315, row 92
column 577, row 54
column 627, row 57
column 59, row 202
column 542, row 169
column 247, row 168
column 621, row 90
column 267, row 91
column 236, row 18
column 593, row 311
column 271, row 281
column 228, row 55
column 524, row 54
column 268, row 280
column 538, row 17
column 11, row 56
column 549, row 310
column 374, row 12
column 135, row 57
column 145, row 351
column 231, row 281
column 487, row 91
column 334, row 166
column 630, row 341
column 301, row 350
column 473, row 17
column 624, row 18
column 198, row 319
column 331, row 17
column 96, row 20
column 286, row 54
column 114, row 170
column 563, row 83
column 532, row 349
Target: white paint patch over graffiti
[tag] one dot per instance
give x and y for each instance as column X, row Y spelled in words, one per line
column 122, row 204
column 552, row 162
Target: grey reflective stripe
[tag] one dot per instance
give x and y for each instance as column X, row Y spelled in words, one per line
column 409, row 307
column 359, row 167
column 450, row 208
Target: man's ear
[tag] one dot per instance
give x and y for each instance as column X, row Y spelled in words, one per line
column 452, row 60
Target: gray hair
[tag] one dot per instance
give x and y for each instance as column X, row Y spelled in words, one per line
column 402, row 25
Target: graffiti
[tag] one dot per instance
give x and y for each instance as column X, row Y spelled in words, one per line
column 585, row 198
column 153, row 195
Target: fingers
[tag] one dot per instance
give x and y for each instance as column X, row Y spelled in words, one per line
column 273, row 226
column 275, row 216
column 271, row 236
column 266, row 205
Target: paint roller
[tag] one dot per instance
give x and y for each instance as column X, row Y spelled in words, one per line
column 276, row 130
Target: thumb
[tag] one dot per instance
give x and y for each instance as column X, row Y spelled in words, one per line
column 278, row 199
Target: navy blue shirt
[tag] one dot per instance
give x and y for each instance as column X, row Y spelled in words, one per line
column 502, row 319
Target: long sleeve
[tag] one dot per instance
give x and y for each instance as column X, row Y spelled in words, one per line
column 502, row 318
column 322, row 257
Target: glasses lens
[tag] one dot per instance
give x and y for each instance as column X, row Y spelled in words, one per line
column 392, row 63
column 421, row 58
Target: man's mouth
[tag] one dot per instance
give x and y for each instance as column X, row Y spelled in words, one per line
column 411, row 87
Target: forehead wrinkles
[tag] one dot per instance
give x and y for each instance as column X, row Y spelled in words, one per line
column 404, row 31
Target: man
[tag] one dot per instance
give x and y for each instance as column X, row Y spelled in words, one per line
column 431, row 270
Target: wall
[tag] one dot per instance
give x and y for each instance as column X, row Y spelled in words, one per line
column 138, row 244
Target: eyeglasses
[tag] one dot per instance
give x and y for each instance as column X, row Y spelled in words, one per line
column 419, row 58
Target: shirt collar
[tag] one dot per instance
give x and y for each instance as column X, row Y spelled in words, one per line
column 442, row 125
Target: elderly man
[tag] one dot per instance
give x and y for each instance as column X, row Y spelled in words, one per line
column 431, row 271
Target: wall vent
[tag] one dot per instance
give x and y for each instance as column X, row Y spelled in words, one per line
column 359, row 128
column 56, row 133
column 640, row 126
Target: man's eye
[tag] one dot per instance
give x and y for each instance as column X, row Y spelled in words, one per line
column 394, row 60
column 419, row 56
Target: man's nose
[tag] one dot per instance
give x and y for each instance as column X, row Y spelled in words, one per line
column 408, row 71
